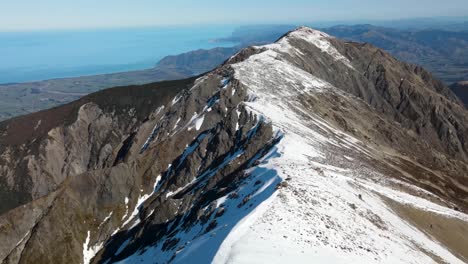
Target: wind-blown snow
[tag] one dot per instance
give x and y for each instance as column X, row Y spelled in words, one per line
column 327, row 213
column 199, row 122
column 322, row 41
column 200, row 246
column 270, row 76
column 313, row 221
column 324, row 211
column 317, row 38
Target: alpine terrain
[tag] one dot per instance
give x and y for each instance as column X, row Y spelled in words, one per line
column 307, row 150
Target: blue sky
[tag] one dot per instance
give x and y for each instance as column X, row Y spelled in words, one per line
column 63, row 14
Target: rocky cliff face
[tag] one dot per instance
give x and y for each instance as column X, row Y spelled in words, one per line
column 39, row 151
column 310, row 148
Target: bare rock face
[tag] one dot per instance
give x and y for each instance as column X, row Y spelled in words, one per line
column 176, row 171
column 40, row 150
column 189, row 141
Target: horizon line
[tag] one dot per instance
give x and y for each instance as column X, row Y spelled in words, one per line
column 214, row 24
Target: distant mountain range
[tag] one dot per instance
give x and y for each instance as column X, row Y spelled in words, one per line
column 443, row 50
column 23, row 98
column 444, row 53
column 461, row 90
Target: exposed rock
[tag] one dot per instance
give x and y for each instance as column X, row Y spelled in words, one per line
column 75, row 138
column 148, row 172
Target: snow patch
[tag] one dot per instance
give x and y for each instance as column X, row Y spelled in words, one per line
column 154, row 131
column 126, row 208
column 322, row 41
column 199, row 122
column 90, row 251
column 196, row 121
column 105, row 219
column 176, row 123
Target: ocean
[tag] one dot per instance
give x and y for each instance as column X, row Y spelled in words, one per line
column 42, row 55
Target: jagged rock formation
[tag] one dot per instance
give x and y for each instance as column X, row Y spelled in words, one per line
column 40, row 150
column 308, row 149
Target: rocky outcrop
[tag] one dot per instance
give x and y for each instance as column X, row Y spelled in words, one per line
column 40, row 150
column 191, row 140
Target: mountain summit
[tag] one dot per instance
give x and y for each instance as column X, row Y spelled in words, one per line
column 310, row 149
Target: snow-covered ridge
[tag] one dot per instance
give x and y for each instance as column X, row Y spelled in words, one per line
column 328, row 213
column 308, row 201
column 317, row 38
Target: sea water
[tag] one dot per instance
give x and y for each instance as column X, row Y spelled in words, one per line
column 41, row 55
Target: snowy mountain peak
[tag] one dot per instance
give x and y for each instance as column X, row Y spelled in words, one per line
column 307, row 31
column 329, row 170
column 303, row 40
column 310, row 149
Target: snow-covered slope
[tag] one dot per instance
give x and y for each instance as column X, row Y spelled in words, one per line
column 307, row 150
column 331, row 210
column 318, row 195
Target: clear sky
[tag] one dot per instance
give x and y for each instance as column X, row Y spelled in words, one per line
column 63, row 14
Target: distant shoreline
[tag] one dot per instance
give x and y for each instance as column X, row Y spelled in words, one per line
column 47, row 55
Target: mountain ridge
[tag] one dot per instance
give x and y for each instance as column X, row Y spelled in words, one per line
column 445, row 59
column 273, row 138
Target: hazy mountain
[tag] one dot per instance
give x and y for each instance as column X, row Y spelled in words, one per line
column 198, row 61
column 311, row 149
column 23, row 98
column 258, row 34
column 461, row 90
column 445, row 53
column 423, row 23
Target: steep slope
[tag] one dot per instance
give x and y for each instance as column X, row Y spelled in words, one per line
column 461, row 90
column 38, row 151
column 268, row 159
